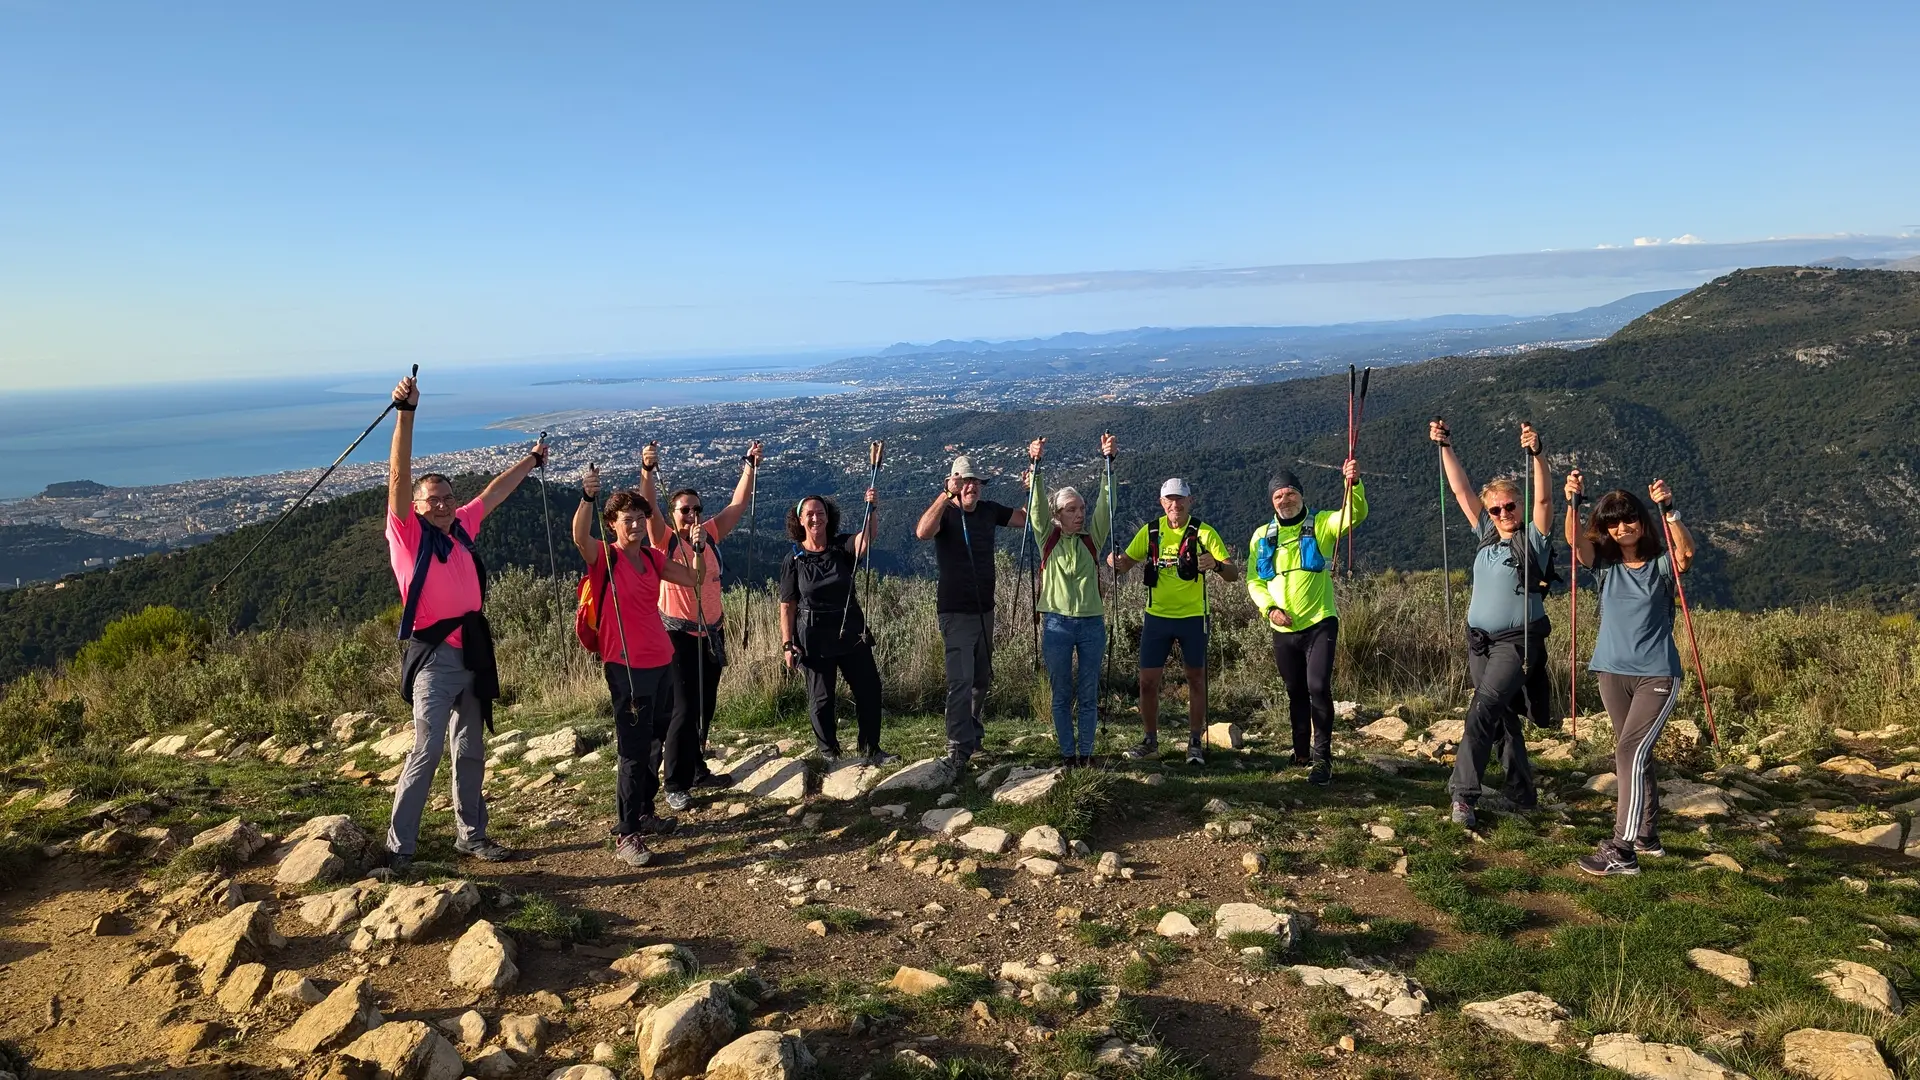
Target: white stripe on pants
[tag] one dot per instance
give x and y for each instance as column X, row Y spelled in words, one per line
column 1638, row 706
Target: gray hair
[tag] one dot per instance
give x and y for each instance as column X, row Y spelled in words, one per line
column 1064, row 496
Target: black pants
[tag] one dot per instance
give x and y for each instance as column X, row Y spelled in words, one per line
column 863, row 679
column 1305, row 660
column 969, row 655
column 638, row 722
column 696, row 679
column 1505, row 692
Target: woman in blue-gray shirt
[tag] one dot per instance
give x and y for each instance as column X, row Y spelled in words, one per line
column 1634, row 654
column 1506, row 624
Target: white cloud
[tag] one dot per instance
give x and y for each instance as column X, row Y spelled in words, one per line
column 1686, row 238
column 1646, row 241
column 1605, row 247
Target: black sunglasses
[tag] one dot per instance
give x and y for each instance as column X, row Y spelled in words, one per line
column 684, row 510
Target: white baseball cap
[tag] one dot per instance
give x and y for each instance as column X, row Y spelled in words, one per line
column 1175, row 486
column 963, row 468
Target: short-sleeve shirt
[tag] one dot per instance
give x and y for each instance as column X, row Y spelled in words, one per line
column 1500, row 604
column 451, row 589
column 1636, row 620
column 963, row 547
column 637, row 639
column 677, row 601
column 1172, row 597
column 821, row 583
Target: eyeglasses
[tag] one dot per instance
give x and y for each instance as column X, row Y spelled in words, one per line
column 436, row 500
column 1504, row 509
column 688, row 511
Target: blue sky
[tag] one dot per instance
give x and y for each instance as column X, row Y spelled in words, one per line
column 208, row 189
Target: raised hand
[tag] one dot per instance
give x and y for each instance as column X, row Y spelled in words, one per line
column 1107, row 445
column 1661, row 494
column 650, row 457
column 1576, row 486
column 539, row 453
column 407, row 392
column 697, row 534
column 873, row 497
column 1437, row 432
column 753, row 454
column 1529, row 439
column 1035, row 449
column 590, row 483
column 1351, row 471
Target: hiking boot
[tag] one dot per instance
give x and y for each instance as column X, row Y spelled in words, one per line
column 1146, row 748
column 1321, row 774
column 1464, row 816
column 630, row 849
column 1091, row 761
column 1195, row 755
column 485, row 850
column 654, row 825
column 713, row 779
column 678, row 800
column 827, row 754
column 878, row 757
column 1648, row 846
column 956, row 760
column 1608, row 860
column 398, row 865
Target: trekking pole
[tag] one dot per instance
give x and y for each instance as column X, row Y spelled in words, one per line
column 1526, row 577
column 1693, row 642
column 301, row 501
column 607, row 554
column 1347, row 499
column 1573, row 633
column 866, row 518
column 1446, row 566
column 553, row 561
column 1033, row 571
column 1353, row 448
column 753, row 514
column 1113, row 598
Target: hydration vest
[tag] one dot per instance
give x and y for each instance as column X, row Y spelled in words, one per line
column 1312, row 559
column 1186, row 562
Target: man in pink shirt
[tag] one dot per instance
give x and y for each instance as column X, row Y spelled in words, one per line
column 446, row 669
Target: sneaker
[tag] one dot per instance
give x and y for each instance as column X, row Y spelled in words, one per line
column 485, row 850
column 678, row 800
column 630, row 849
column 1464, row 816
column 654, row 825
column 1195, row 755
column 879, row 758
column 398, row 864
column 1146, row 748
column 1301, row 757
column 1608, row 860
column 1321, row 774
column 1648, row 846
column 827, row 754
column 956, row 760
column 712, row 779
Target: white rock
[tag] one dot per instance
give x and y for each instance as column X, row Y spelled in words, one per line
column 1039, row 867
column 914, row 981
column 561, row 745
column 849, row 780
column 407, row 1050
column 1109, row 864
column 1387, row 991
column 340, row 1017
column 1833, row 1055
column 1858, row 984
column 781, row 780
column 493, row 1065
column 469, row 1029
column 1655, row 1061
column 947, row 821
column 482, row 959
column 1722, row 965
column 665, row 960
column 395, row 746
column 523, row 1033
column 582, row 1072
column 1605, row 783
column 1175, row 924
column 310, row 861
column 331, row 911
column 761, row 1055
column 1233, row 919
column 349, row 840
column 986, row 838
column 1044, row 840
column 296, row 987
column 243, row 987
column 216, row 947
column 1225, row 736
column 245, row 840
column 1026, row 786
column 410, row 911
column 924, row 775
column 678, row 1038
column 749, row 760
column 1387, row 729
column 1527, row 1016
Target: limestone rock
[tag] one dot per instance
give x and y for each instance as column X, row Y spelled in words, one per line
column 1044, row 840
column 1225, row 736
column 849, row 780
column 1450, row 730
column 243, row 987
column 332, row 911
column 336, row 1020
column 407, row 1050
column 1387, row 729
column 493, row 1065
column 1655, row 1061
column 1039, row 867
column 216, row 947
column 749, row 760
column 296, row 987
column 582, row 1072
column 523, row 1033
column 617, row 998
column 1389, row 992
column 1109, row 864
column 1605, row 783
column 348, row 840
column 310, row 861
column 913, row 981
column 678, row 1038
column 557, row 745
column 183, row 1039
column 1233, row 919
column 986, row 838
column 1527, row 1016
column 1722, row 965
column 1124, row 1055
column 395, row 746
column 657, row 961
column 469, row 1029
column 1833, row 1055
column 1858, row 984
column 1724, row 862
column 1175, row 924
column 245, row 840
column 761, row 1055
column 1684, row 798
column 781, row 779
column 410, row 911
column 1847, row 765
column 1024, row 786
column 948, row 821
column 923, row 775
column 482, row 959
column 170, row 745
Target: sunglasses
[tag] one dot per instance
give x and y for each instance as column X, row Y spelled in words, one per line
column 436, row 500
column 688, row 511
column 1504, row 509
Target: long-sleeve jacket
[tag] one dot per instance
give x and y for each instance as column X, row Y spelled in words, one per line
column 1289, row 567
column 1070, row 571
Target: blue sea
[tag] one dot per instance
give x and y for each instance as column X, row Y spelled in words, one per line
column 165, row 433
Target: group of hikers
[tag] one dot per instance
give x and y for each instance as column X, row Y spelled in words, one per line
column 650, row 609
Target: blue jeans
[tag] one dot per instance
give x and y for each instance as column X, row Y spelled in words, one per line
column 1061, row 637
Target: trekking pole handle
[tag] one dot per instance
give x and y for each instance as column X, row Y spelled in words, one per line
column 1364, row 376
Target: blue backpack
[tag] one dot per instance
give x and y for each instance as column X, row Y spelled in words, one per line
column 1312, row 559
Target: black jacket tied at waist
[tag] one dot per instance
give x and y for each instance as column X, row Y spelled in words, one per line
column 476, row 634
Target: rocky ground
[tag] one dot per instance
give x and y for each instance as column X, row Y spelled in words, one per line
column 195, row 904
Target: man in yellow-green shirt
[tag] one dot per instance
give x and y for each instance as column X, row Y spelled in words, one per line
column 1178, row 551
column 1290, row 577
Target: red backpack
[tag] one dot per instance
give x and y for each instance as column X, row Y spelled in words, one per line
column 593, row 597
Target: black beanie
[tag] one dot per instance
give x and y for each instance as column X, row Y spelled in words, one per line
column 1284, row 478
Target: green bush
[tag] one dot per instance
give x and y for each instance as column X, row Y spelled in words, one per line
column 30, row 718
column 155, row 630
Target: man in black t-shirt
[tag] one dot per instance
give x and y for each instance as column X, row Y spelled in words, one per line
column 961, row 525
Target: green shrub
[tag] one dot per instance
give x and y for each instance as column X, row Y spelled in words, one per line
column 31, row 719
column 152, row 631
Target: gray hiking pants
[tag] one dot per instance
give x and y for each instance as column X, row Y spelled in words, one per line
column 1638, row 706
column 969, row 641
column 442, row 698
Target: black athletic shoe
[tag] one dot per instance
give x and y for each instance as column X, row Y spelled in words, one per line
column 1146, row 748
column 1609, row 860
column 485, row 850
column 1649, row 846
column 712, row 779
column 1321, row 774
column 655, row 825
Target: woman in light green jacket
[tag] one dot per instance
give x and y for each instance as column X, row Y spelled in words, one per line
column 1289, row 576
column 1074, row 621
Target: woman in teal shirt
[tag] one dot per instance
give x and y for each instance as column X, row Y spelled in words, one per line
column 1074, row 625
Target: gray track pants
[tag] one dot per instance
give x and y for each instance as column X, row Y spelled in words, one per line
column 442, row 698
column 1638, row 706
column 969, row 642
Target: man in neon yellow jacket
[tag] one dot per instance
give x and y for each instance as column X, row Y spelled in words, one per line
column 1290, row 577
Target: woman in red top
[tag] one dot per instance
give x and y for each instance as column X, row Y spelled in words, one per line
column 634, row 650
